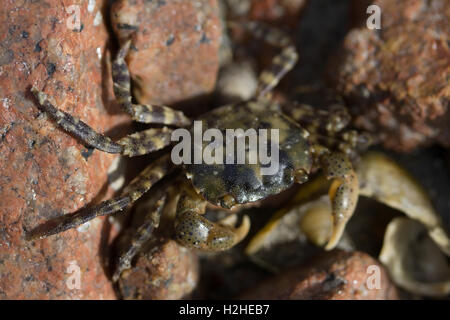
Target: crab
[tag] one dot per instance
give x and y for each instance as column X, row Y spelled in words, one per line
column 309, row 140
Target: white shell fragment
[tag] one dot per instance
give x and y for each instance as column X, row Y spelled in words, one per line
column 413, row 260
column 317, row 221
column 383, row 180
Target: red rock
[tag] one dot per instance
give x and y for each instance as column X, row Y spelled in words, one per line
column 336, row 275
column 397, row 78
column 45, row 172
column 271, row 11
column 278, row 11
column 165, row 271
column 177, row 47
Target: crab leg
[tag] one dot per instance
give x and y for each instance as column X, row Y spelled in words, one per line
column 328, row 127
column 314, row 120
column 142, row 235
column 193, row 230
column 343, row 192
column 145, row 142
column 139, row 112
column 132, row 145
column 349, row 142
column 140, row 185
column 281, row 63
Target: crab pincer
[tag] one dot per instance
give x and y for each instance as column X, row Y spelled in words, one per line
column 343, row 192
column 194, row 231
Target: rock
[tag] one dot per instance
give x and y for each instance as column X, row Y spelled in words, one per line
column 176, row 56
column 272, row 11
column 336, row 275
column 165, row 271
column 396, row 78
column 45, row 172
column 277, row 11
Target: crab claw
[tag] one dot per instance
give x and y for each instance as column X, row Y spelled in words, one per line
column 343, row 192
column 193, row 230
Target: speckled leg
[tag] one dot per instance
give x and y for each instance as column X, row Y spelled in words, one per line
column 142, row 235
column 281, row 64
column 314, row 120
column 140, row 185
column 139, row 112
column 146, row 141
column 193, row 230
column 75, row 126
column 350, row 142
column 328, row 127
column 132, row 145
column 343, row 192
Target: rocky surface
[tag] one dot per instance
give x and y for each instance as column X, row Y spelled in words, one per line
column 272, row 11
column 397, row 78
column 46, row 173
column 164, row 271
column 176, row 46
column 337, row 275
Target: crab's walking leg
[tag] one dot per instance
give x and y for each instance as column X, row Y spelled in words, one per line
column 281, row 64
column 142, row 235
column 349, row 142
column 145, row 142
column 328, row 127
column 140, row 185
column 139, row 112
column 314, row 120
column 75, row 126
column 343, row 192
column 193, row 230
column 132, row 145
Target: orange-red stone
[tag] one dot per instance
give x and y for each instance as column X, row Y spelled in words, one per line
column 44, row 172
